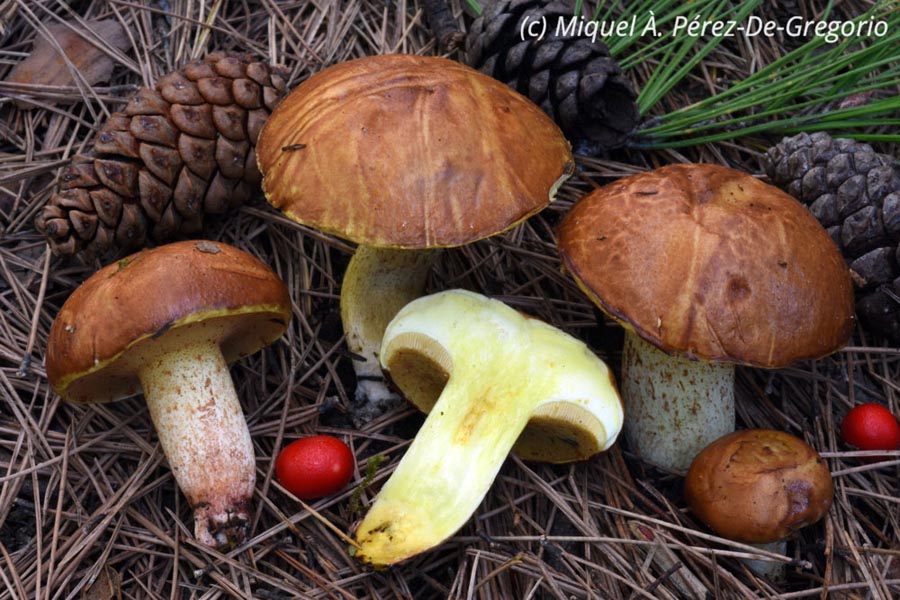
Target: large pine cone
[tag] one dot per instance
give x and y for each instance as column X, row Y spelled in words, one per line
column 855, row 193
column 572, row 78
column 174, row 155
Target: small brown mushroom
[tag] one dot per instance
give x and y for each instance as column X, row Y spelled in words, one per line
column 705, row 267
column 167, row 322
column 758, row 486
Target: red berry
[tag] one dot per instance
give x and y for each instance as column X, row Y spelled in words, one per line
column 315, row 466
column 871, row 427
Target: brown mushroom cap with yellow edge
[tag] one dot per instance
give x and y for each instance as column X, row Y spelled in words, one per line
column 711, row 263
column 758, row 486
column 96, row 342
column 411, row 152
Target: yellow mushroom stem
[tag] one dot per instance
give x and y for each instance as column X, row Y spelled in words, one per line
column 484, row 370
column 203, row 433
column 378, row 282
column 675, row 406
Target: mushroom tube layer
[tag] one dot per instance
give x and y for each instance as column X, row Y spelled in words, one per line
column 485, row 373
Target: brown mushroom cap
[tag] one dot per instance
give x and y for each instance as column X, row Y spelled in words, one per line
column 409, row 152
column 113, row 321
column 757, row 486
column 712, row 263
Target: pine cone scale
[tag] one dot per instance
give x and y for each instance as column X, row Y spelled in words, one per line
column 154, row 129
column 80, row 174
column 107, row 205
column 229, row 121
column 194, row 120
column 216, row 90
column 146, row 102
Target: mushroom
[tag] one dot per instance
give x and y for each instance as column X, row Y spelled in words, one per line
column 757, row 487
column 401, row 154
column 168, row 321
column 489, row 378
column 705, row 267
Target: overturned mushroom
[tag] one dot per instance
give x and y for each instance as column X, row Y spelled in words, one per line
column 167, row 322
column 705, row 267
column 490, row 378
column 400, row 154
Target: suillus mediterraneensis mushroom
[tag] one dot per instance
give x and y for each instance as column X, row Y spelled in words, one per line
column 492, row 380
column 705, row 267
column 404, row 154
column 167, row 322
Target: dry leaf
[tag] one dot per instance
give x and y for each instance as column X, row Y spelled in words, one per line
column 106, row 587
column 45, row 66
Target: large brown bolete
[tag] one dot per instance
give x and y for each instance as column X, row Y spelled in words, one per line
column 705, row 267
column 401, row 154
column 167, row 322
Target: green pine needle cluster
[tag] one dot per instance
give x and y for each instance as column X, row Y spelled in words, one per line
column 848, row 87
column 811, row 88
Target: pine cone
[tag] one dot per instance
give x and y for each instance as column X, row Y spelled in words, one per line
column 855, row 193
column 176, row 153
column 571, row 77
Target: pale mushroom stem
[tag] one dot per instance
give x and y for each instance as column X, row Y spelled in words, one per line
column 775, row 570
column 203, row 433
column 447, row 470
column 675, row 406
column 378, row 282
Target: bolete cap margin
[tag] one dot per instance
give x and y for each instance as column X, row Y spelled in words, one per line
column 711, row 267
column 403, row 153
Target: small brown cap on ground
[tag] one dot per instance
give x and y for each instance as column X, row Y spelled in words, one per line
column 413, row 152
column 758, row 486
column 136, row 301
column 711, row 263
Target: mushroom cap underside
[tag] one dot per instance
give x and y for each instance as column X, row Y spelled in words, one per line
column 757, row 486
column 462, row 334
column 410, row 152
column 132, row 308
column 711, row 263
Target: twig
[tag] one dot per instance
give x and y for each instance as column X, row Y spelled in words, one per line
column 26, row 359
